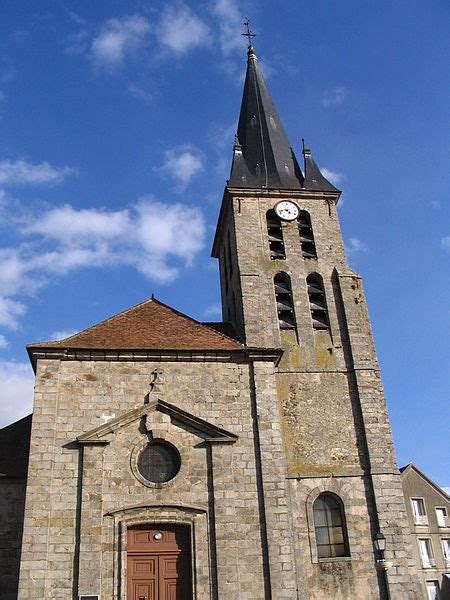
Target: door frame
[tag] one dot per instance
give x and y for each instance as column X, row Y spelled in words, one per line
column 193, row 517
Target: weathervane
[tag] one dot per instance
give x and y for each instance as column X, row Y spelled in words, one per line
column 249, row 33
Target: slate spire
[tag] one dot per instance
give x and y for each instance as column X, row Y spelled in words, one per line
column 262, row 155
column 314, row 180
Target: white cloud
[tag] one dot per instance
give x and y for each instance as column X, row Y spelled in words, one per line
column 3, row 341
column 335, row 96
column 447, row 489
column 215, row 310
column 445, row 243
column 332, row 176
column 62, row 334
column 17, row 391
column 180, row 30
column 182, row 163
column 10, row 311
column 355, row 245
column 150, row 236
column 15, row 267
column 67, row 224
column 140, row 93
column 230, row 23
column 161, row 229
column 117, row 39
column 21, row 172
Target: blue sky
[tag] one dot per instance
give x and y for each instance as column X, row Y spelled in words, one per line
column 116, row 128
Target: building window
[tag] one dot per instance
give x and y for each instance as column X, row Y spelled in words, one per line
column 275, row 235
column 446, row 551
column 317, row 302
column 329, row 527
column 441, row 516
column 426, row 553
column 159, row 462
column 419, row 512
column 306, row 235
column 433, row 590
column 285, row 305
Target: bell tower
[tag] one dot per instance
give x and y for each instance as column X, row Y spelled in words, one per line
column 285, row 283
column 278, row 235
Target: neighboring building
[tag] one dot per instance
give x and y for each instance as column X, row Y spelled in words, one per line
column 428, row 508
column 14, row 450
column 245, row 460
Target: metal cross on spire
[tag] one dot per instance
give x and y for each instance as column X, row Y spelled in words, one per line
column 249, row 33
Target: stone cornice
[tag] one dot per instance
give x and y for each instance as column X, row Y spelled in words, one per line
column 237, row 356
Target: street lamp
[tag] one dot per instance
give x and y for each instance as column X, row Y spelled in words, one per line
column 379, row 543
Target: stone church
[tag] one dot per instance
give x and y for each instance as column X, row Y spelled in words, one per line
column 250, row 459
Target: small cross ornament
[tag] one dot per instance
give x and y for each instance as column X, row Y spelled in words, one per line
column 248, row 33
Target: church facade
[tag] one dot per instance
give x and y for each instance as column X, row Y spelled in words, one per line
column 250, row 459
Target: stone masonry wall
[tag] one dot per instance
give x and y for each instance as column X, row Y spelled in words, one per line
column 345, row 578
column 71, row 532
column 329, row 387
column 12, row 502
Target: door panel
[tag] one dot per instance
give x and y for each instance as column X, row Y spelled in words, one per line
column 171, row 590
column 143, row 578
column 159, row 564
column 143, row 566
column 143, row 591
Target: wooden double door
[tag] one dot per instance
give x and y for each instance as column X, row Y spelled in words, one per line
column 159, row 563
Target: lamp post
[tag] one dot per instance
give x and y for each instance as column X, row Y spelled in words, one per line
column 381, row 565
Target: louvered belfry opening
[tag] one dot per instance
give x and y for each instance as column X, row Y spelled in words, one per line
column 275, row 234
column 317, row 302
column 306, row 235
column 285, row 306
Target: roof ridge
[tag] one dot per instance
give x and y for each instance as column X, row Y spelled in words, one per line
column 148, row 324
column 427, row 479
column 124, row 312
column 182, row 314
column 87, row 329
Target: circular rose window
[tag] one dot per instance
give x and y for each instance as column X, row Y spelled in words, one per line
column 159, row 462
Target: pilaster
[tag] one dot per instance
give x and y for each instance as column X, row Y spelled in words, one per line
column 91, row 517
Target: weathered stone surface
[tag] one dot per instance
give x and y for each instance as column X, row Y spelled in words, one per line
column 12, row 501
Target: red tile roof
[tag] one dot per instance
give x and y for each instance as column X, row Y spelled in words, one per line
column 148, row 326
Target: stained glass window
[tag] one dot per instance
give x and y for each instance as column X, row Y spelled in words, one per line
column 159, row 462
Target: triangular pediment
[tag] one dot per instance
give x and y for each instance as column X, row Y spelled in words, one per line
column 207, row 431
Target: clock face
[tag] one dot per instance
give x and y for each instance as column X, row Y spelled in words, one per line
column 287, row 210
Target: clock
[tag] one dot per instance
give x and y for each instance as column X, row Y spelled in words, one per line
column 287, row 210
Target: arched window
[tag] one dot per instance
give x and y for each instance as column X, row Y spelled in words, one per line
column 306, row 235
column 275, row 234
column 285, row 306
column 329, row 527
column 317, row 302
